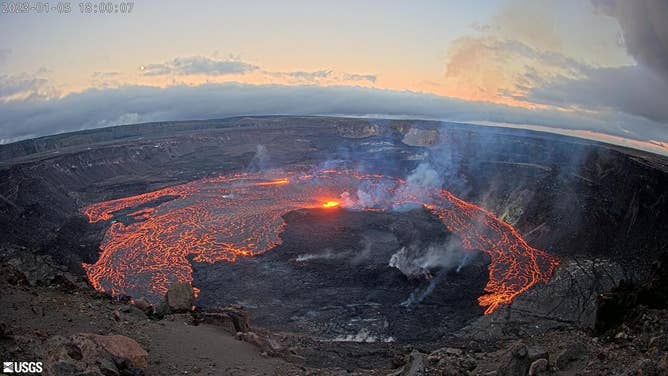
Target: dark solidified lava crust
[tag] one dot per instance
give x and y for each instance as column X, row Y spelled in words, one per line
column 330, row 277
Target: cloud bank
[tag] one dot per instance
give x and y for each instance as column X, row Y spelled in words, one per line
column 195, row 65
column 323, row 76
column 213, row 67
column 633, row 90
column 25, row 86
column 96, row 108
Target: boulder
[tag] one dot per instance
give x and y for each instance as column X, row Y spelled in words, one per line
column 266, row 343
column 516, row 361
column 573, row 353
column 453, row 351
column 143, row 305
column 92, row 354
column 414, row 367
column 234, row 319
column 252, row 338
column 536, row 353
column 453, row 361
column 123, row 348
column 538, row 367
column 180, row 297
column 107, row 367
column 75, row 352
column 161, row 310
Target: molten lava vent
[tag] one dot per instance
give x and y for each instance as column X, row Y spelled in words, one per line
column 150, row 241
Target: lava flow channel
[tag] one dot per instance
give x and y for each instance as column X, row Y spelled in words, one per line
column 240, row 215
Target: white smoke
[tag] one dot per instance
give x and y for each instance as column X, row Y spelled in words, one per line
column 417, row 296
column 424, row 176
column 376, row 194
column 347, row 201
column 362, row 336
column 468, row 256
column 404, row 261
column 260, row 160
column 446, row 256
column 328, row 254
column 366, row 251
column 416, row 261
column 422, row 185
column 449, row 255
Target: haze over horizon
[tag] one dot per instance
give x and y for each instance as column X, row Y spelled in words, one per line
column 589, row 68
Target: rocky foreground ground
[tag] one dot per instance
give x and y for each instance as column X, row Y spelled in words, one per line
column 53, row 316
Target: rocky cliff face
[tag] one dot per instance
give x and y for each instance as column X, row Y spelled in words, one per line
column 353, row 130
column 421, row 137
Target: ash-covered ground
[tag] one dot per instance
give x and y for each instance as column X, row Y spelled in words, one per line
column 341, row 279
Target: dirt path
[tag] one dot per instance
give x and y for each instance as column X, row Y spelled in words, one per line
column 206, row 350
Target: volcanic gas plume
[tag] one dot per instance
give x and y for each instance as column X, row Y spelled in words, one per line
column 240, row 215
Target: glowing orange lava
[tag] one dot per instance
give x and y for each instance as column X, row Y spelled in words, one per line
column 331, row 204
column 239, row 215
column 279, row 181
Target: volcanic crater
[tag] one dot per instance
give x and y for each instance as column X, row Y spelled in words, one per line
column 346, row 229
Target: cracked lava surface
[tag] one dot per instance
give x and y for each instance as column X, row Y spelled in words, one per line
column 240, row 215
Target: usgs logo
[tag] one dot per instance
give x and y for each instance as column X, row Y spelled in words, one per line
column 21, row 367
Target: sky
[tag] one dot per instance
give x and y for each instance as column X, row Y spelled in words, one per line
column 590, row 68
